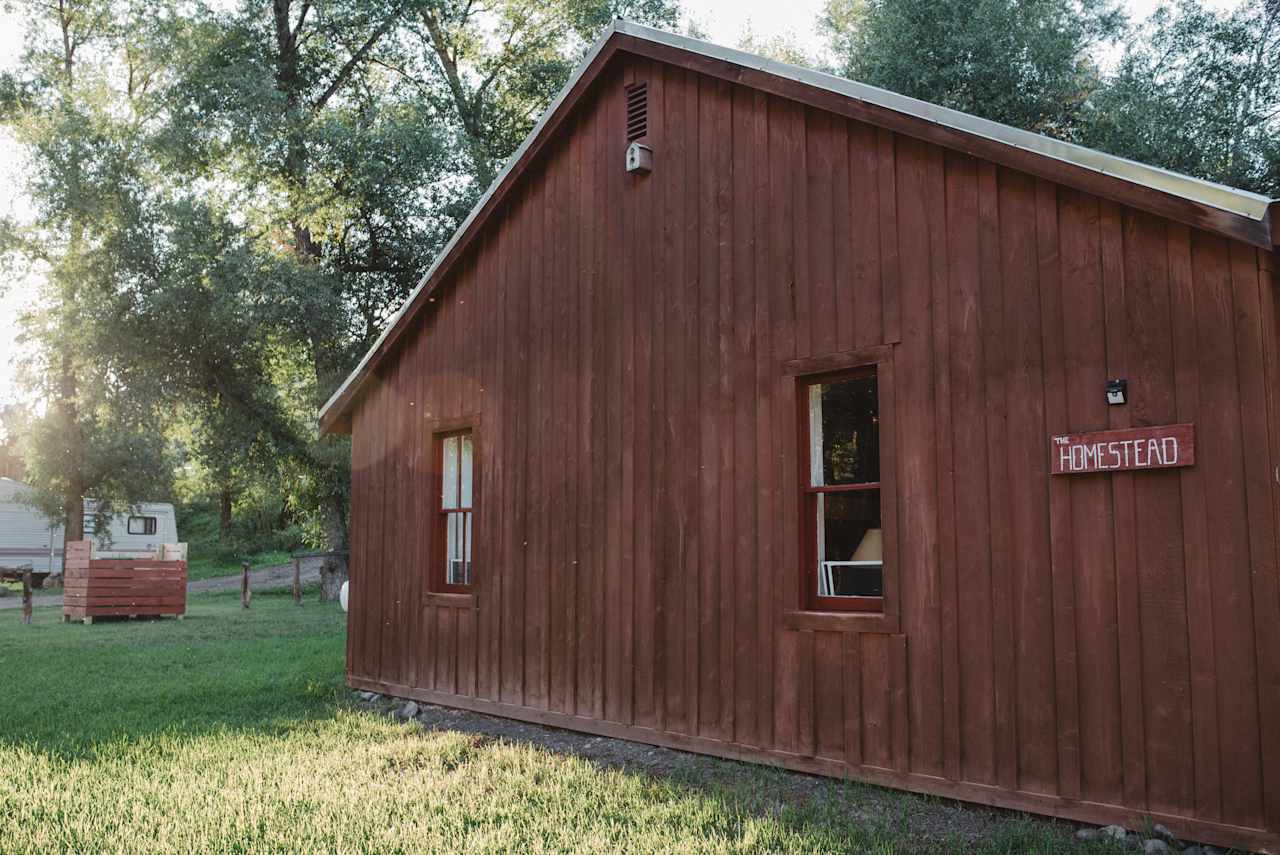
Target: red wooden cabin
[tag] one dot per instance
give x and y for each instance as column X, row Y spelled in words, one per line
column 752, row 453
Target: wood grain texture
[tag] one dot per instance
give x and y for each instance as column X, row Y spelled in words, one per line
column 96, row 587
column 629, row 348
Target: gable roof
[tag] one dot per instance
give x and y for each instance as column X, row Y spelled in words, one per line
column 1235, row 213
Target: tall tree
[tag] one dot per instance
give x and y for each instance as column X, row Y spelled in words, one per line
column 81, row 132
column 195, row 305
column 1026, row 63
column 1198, row 91
column 501, row 63
column 337, row 169
column 266, row 184
column 346, row 133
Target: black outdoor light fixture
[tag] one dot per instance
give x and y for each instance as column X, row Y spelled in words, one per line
column 1117, row 391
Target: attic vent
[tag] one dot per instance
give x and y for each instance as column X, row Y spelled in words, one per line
column 637, row 111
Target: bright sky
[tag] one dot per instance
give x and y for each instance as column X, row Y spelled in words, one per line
column 724, row 21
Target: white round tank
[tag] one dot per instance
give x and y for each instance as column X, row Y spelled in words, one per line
column 342, row 595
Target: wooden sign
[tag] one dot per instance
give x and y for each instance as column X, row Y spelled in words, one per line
column 1165, row 447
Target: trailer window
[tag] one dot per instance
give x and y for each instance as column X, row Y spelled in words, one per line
column 842, row 502
column 456, row 458
column 141, row 525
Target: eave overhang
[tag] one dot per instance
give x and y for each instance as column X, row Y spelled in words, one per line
column 1238, row 214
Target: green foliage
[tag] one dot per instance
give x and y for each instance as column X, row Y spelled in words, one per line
column 1198, row 91
column 261, row 532
column 338, row 176
column 100, row 430
column 492, row 69
column 13, row 421
column 232, row 202
column 1026, row 63
column 124, row 462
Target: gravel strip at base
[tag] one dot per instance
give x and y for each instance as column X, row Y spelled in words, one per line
column 927, row 819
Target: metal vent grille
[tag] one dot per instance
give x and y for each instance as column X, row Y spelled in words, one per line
column 637, row 111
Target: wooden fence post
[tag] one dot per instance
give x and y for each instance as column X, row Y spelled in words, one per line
column 245, row 594
column 297, row 580
column 26, row 596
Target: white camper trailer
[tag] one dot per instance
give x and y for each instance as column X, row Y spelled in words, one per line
column 27, row 537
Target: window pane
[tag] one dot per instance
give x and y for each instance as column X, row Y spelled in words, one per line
column 457, row 570
column 466, row 471
column 449, row 473
column 844, row 432
column 141, row 525
column 850, row 545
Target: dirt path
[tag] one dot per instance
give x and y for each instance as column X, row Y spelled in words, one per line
column 275, row 576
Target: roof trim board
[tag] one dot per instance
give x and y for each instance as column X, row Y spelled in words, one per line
column 1240, row 214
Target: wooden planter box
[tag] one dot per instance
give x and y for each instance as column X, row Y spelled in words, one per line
column 102, row 587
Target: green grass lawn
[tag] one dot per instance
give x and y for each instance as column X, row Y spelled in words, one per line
column 209, row 567
column 232, row 731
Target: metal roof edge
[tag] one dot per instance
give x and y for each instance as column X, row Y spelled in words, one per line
column 1232, row 200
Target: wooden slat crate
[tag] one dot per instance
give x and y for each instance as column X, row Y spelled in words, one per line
column 121, row 586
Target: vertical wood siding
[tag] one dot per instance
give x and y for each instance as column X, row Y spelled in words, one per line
column 1066, row 643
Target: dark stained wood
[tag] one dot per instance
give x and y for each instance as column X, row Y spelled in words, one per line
column 1053, row 332
column 1092, row 559
column 724, row 612
column 1264, row 233
column 746, row 160
column 708, row 688
column 828, row 687
column 1238, row 227
column 96, row 587
column 948, row 570
column 915, row 390
column 1129, row 629
column 1029, row 555
column 995, row 351
column 973, row 591
column 1262, row 474
column 627, row 350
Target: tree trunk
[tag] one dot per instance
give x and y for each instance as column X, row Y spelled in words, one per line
column 73, row 501
column 335, row 523
column 73, row 525
column 224, row 514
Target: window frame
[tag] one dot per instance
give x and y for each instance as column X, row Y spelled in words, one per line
column 808, row 610
column 815, row 600
column 150, row 525
column 438, row 580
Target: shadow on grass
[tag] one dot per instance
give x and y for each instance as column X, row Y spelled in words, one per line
column 87, row 693
column 851, row 816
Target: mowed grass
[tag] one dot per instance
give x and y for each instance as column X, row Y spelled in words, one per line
column 232, row 731
column 210, row 567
